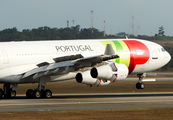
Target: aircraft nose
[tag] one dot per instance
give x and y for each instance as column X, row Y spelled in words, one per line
column 167, row 56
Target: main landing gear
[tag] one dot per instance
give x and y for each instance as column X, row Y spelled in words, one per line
column 40, row 92
column 7, row 91
column 140, row 84
column 36, row 93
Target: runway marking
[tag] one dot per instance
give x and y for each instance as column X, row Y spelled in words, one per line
column 75, row 103
column 40, row 110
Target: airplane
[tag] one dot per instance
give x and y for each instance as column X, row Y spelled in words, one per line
column 94, row 62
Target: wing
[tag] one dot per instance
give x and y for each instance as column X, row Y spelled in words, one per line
column 70, row 63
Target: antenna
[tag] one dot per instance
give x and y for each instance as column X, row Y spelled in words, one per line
column 104, row 28
column 92, row 20
column 132, row 25
column 67, row 23
column 138, row 30
column 73, row 22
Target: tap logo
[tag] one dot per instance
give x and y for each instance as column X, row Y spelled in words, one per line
column 131, row 52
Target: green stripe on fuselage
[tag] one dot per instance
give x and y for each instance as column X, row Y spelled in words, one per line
column 125, row 54
column 121, row 49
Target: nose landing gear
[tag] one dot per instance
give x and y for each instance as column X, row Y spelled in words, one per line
column 140, row 84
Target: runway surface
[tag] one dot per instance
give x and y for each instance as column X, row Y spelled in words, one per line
column 88, row 102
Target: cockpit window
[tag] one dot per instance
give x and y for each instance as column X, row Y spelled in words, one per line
column 163, row 50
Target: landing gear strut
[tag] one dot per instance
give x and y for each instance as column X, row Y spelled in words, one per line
column 1, row 93
column 140, row 84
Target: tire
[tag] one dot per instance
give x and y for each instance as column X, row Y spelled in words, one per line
column 29, row 93
column 138, row 85
column 37, row 94
column 12, row 94
column 47, row 93
column 142, row 85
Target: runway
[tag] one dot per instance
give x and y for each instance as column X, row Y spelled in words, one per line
column 88, row 102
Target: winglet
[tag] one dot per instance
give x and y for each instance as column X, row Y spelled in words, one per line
column 109, row 50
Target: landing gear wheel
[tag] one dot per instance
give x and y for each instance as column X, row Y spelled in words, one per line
column 37, row 94
column 140, row 85
column 12, row 93
column 29, row 93
column 1, row 93
column 47, row 93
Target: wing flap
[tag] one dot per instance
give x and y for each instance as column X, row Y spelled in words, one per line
column 37, row 75
column 36, row 70
column 59, row 65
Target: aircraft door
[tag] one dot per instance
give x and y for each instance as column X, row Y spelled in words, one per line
column 5, row 57
column 98, row 49
column 153, row 52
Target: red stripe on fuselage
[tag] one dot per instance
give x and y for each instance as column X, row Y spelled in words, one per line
column 139, row 53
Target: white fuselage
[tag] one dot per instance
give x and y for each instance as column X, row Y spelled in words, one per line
column 19, row 57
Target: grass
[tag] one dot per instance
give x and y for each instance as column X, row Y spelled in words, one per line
column 110, row 114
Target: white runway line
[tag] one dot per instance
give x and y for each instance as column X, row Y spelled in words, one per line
column 75, row 103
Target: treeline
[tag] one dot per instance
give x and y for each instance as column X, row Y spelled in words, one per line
column 47, row 33
column 75, row 32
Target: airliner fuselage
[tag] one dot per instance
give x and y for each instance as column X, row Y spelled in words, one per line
column 19, row 59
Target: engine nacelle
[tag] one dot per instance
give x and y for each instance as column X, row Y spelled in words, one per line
column 85, row 78
column 112, row 72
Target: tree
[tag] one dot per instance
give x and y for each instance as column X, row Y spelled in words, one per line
column 161, row 31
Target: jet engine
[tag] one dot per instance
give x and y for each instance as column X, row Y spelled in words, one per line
column 113, row 71
column 85, row 78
